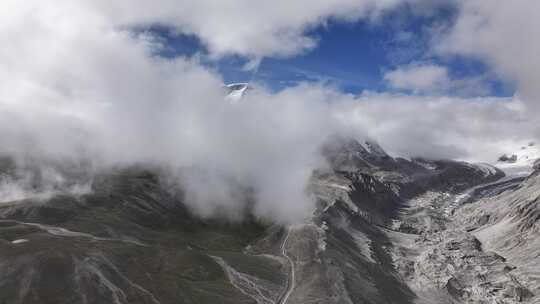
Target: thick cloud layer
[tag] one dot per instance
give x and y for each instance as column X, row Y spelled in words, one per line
column 505, row 35
column 473, row 129
column 78, row 86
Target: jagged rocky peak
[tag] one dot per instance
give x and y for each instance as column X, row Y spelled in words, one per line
column 375, row 149
column 349, row 154
column 346, row 154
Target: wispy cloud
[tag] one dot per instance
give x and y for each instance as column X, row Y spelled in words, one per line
column 428, row 78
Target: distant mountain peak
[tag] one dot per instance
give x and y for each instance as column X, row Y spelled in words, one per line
column 519, row 161
column 235, row 91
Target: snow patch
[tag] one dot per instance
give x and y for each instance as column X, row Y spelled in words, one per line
column 19, row 241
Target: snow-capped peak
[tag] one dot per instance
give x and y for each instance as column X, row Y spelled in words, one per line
column 235, row 91
column 519, row 161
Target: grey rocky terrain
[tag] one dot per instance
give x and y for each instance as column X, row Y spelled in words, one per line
column 385, row 230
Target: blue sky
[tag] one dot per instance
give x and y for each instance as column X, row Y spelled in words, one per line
column 353, row 57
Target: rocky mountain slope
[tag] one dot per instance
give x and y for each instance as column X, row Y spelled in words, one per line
column 385, row 230
column 519, row 160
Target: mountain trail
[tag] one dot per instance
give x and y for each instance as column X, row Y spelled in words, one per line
column 291, row 278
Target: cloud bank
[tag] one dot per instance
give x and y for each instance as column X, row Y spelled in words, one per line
column 505, row 36
column 472, row 129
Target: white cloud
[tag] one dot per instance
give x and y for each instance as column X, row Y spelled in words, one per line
column 506, row 36
column 250, row 28
column 419, row 77
column 77, row 84
column 478, row 129
column 429, row 78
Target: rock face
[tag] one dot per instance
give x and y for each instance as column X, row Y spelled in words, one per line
column 370, row 230
column 386, row 230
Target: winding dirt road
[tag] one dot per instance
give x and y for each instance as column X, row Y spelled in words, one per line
column 291, row 279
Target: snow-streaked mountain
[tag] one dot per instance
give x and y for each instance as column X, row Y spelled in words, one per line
column 519, row 161
column 385, row 230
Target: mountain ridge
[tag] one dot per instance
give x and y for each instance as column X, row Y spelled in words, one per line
column 132, row 240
